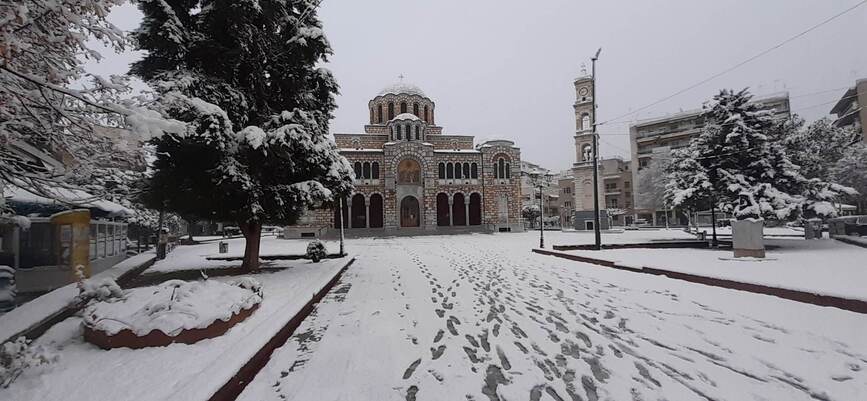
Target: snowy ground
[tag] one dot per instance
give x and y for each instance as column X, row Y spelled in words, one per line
column 825, row 267
column 194, row 257
column 179, row 371
column 481, row 318
column 571, row 237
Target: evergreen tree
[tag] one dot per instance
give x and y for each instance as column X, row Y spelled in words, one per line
column 243, row 76
column 815, row 147
column 740, row 164
column 851, row 170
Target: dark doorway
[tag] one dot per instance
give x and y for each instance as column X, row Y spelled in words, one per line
column 409, row 212
column 459, row 210
column 359, row 219
column 475, row 209
column 376, row 211
column 442, row 209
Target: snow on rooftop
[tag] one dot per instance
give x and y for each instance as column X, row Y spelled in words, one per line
column 402, row 88
column 406, row 116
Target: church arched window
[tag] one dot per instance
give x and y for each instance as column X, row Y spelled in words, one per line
column 585, row 121
column 426, row 115
column 379, row 114
column 586, row 153
column 408, row 132
column 466, row 170
column 415, row 110
column 458, row 174
column 402, row 107
column 366, row 170
column 501, row 168
column 450, row 171
column 374, row 170
column 372, row 116
column 442, row 171
column 417, row 132
column 357, row 168
column 390, row 111
column 399, row 133
column 508, row 171
column 474, row 171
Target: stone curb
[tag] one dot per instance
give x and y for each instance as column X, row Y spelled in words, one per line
column 852, row 305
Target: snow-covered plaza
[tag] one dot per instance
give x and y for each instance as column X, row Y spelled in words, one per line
column 482, row 318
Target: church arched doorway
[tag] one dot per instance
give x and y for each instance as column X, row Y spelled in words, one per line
column 376, row 211
column 459, row 210
column 475, row 209
column 359, row 212
column 409, row 212
column 443, row 209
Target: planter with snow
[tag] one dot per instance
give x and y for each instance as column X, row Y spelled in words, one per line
column 172, row 312
column 747, row 238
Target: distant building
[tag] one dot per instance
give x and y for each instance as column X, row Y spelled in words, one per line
column 566, row 186
column 412, row 178
column 617, row 179
column 850, row 109
column 531, row 176
column 653, row 140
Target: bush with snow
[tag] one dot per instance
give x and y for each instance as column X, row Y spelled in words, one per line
column 249, row 283
column 316, row 250
column 173, row 306
column 98, row 290
column 20, row 355
column 7, row 288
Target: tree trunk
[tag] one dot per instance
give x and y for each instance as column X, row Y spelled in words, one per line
column 252, row 236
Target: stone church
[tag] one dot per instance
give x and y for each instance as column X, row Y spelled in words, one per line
column 411, row 178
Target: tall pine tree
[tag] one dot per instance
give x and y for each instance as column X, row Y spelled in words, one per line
column 741, row 165
column 244, row 77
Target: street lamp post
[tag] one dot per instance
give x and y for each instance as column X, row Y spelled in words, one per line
column 541, row 219
column 340, row 213
column 596, row 229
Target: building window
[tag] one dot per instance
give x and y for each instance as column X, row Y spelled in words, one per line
column 457, row 171
column 372, row 116
column 390, row 111
column 399, row 133
column 585, row 122
column 417, row 131
column 586, row 153
column 466, row 170
column 366, row 170
column 408, row 131
column 402, row 107
column 415, row 110
column 357, row 168
column 450, row 171
column 442, row 171
column 379, row 114
column 611, row 186
column 612, row 203
column 375, row 170
column 474, row 171
column 426, row 115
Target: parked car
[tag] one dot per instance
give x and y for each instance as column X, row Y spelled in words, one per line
column 858, row 227
column 231, row 231
column 7, row 289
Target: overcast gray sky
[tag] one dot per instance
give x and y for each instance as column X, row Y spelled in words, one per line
column 505, row 69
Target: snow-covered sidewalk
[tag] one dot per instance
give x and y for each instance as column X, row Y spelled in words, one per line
column 178, row 371
column 479, row 317
column 824, row 267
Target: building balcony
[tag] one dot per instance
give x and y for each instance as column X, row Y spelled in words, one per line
column 367, row 181
column 460, row 181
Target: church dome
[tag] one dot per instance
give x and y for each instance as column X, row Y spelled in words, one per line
column 406, row 116
column 402, row 88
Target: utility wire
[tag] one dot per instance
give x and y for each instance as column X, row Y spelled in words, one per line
column 738, row 65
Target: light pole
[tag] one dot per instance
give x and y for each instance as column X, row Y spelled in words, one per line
column 541, row 219
column 596, row 229
column 340, row 213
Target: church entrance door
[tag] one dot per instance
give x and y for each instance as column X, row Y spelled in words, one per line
column 409, row 212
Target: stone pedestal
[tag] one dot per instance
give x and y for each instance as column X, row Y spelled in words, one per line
column 747, row 238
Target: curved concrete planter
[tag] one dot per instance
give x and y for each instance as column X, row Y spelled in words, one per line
column 156, row 338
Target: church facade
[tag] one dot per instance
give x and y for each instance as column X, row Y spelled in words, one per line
column 411, row 178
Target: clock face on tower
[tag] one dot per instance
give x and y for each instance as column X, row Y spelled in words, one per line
column 583, row 91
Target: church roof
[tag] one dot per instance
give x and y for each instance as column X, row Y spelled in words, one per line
column 402, row 88
column 406, row 116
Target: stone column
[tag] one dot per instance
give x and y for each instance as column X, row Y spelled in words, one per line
column 467, row 212
column 367, row 214
column 451, row 212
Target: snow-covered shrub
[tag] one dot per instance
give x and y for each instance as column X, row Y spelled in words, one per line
column 19, row 355
column 7, row 288
column 99, row 290
column 249, row 283
column 316, row 250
